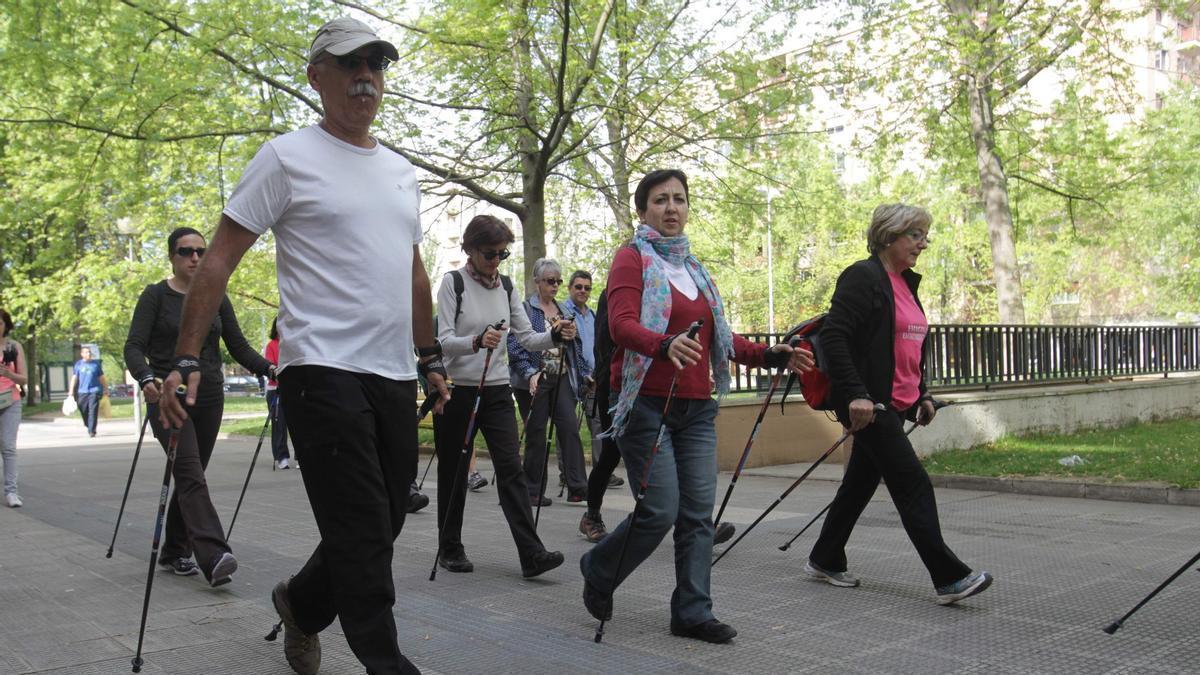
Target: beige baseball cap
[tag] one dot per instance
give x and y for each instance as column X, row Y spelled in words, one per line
column 344, row 35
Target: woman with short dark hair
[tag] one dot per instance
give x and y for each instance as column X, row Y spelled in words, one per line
column 192, row 522
column 656, row 290
column 466, row 332
column 874, row 338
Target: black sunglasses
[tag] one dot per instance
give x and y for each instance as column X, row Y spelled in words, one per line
column 492, row 255
column 352, row 62
column 552, row 282
column 581, row 287
column 187, row 251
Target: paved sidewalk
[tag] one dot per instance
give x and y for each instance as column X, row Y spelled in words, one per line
column 1064, row 567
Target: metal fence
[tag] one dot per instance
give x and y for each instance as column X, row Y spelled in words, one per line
column 980, row 356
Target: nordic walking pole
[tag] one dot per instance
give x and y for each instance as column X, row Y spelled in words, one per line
column 878, row 408
column 550, row 405
column 172, row 445
column 137, row 451
column 645, row 482
column 937, row 405
column 253, row 460
column 466, row 451
column 426, row 406
column 1114, row 626
column 762, row 411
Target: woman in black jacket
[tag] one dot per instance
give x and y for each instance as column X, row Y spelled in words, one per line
column 874, row 340
column 192, row 522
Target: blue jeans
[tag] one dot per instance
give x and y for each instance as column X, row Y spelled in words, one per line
column 89, row 409
column 680, row 494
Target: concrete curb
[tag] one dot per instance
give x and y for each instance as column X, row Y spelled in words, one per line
column 1145, row 493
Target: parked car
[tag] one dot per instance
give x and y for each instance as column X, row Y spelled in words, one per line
column 121, row 391
column 242, row 385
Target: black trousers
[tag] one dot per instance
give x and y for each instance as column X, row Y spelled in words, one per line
column 357, row 435
column 279, row 438
column 610, row 456
column 881, row 450
column 566, row 428
column 496, row 422
column 192, row 523
column 89, row 410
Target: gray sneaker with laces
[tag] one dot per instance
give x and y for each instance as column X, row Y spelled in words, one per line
column 972, row 584
column 839, row 579
column 303, row 652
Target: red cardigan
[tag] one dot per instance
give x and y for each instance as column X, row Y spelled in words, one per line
column 624, row 323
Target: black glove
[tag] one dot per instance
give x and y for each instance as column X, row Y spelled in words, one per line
column 434, row 365
column 774, row 359
column 185, row 365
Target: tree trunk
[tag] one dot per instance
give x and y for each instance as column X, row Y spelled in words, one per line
column 34, row 388
column 993, row 183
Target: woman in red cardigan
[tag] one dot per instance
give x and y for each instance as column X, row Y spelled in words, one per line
column 656, row 290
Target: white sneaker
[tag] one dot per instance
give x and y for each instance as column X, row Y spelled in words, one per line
column 13, row 500
column 283, row 464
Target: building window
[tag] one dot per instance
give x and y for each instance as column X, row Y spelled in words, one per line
column 1158, row 16
column 1161, row 60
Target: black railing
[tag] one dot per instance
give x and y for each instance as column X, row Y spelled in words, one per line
column 968, row 356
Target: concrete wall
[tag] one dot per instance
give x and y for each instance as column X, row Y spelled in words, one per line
column 802, row 434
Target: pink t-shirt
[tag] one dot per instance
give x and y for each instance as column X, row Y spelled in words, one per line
column 911, row 328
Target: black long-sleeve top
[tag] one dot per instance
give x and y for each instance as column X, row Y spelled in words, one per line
column 150, row 346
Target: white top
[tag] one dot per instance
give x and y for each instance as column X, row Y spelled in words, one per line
column 481, row 307
column 345, row 220
column 681, row 279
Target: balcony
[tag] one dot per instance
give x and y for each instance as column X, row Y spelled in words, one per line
column 1187, row 41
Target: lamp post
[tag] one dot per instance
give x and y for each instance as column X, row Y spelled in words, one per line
column 128, row 228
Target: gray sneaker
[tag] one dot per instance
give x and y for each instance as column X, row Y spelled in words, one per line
column 222, row 571
column 839, row 579
column 184, row 567
column 303, row 652
column 973, row 583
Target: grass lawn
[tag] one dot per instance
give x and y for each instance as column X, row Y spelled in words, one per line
column 1167, row 452
column 122, row 408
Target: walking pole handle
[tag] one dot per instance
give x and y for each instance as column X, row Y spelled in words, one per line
column 694, row 329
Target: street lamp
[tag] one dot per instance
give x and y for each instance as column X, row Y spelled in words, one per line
column 771, row 193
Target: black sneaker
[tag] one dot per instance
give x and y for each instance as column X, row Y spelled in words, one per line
column 577, row 499
column 476, row 481
column 615, row 481
column 184, row 567
column 542, row 561
column 598, row 604
column 709, row 631
column 533, row 500
column 456, row 562
column 416, row 502
column 302, row 651
column 723, row 533
column 222, row 570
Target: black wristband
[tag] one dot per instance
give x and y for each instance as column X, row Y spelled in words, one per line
column 433, row 350
column 146, row 380
column 664, row 347
column 185, row 365
column 433, row 365
column 774, row 359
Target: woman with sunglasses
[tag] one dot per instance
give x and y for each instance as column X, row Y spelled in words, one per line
column 533, row 381
column 874, row 338
column 656, row 290
column 466, row 334
column 192, row 522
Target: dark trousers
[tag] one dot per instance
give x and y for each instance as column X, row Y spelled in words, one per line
column 881, row 450
column 496, row 422
column 89, row 409
column 192, row 523
column 357, row 435
column 610, row 455
column 279, row 443
column 566, row 428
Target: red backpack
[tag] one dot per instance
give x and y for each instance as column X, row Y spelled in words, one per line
column 814, row 385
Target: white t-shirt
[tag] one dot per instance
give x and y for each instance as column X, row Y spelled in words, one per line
column 681, row 279
column 346, row 220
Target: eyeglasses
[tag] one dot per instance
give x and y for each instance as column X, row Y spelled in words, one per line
column 187, row 251
column 492, row 255
column 581, row 287
column 352, row 62
column 918, row 236
column 552, row 282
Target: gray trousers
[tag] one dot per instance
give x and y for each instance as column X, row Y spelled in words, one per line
column 10, row 419
column 566, row 432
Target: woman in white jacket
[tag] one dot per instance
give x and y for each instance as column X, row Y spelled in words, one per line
column 467, row 312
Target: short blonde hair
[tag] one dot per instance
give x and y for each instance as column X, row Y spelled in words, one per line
column 889, row 221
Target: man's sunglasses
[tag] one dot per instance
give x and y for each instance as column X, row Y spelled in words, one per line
column 352, row 62
column 581, row 287
column 492, row 255
column 187, row 251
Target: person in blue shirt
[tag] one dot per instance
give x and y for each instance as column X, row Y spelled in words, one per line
column 579, row 289
column 88, row 385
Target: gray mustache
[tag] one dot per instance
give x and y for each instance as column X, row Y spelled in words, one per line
column 361, row 88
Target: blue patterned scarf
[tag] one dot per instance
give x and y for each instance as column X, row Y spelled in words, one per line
column 657, row 250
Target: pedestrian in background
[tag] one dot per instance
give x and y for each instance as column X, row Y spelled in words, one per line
column 13, row 376
column 88, row 385
column 279, row 443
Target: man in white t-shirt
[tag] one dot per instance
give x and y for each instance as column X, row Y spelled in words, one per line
column 354, row 301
